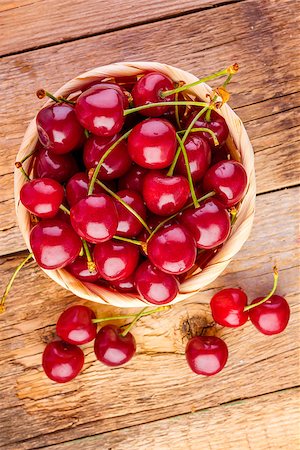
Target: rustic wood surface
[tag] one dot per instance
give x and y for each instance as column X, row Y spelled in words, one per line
column 155, row 402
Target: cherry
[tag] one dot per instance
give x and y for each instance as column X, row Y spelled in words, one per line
column 228, row 179
column 59, row 129
column 133, row 179
column 113, row 349
column 95, row 218
column 42, row 197
column 54, row 244
column 124, row 285
column 100, row 110
column 227, row 307
column 272, row 316
column 116, row 164
column 116, row 260
column 77, row 188
column 217, row 124
column 148, row 89
column 199, row 156
column 79, row 268
column 75, row 325
column 155, row 286
column 165, row 195
column 56, row 167
column 61, row 361
column 109, row 85
column 128, row 224
column 152, row 143
column 206, row 355
column 172, row 249
column 209, row 224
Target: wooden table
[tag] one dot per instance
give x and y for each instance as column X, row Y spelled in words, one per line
column 156, row 402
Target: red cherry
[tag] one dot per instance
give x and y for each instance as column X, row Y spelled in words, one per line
column 172, row 249
column 42, row 197
column 227, row 307
column 152, row 143
column 56, row 167
column 209, row 224
column 121, row 91
column 59, row 129
column 77, row 188
column 75, row 325
column 272, row 316
column 116, row 260
column 217, row 124
column 128, row 224
column 61, row 361
column 100, row 110
column 165, row 195
column 79, row 268
column 206, row 355
column 113, row 349
column 124, row 285
column 95, row 218
column 54, row 244
column 133, row 179
column 148, row 89
column 155, row 286
column 115, row 165
column 199, row 156
column 228, row 179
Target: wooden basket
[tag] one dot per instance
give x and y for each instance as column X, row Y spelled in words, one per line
column 239, row 233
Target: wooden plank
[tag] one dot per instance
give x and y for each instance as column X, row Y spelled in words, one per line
column 37, row 23
column 267, row 422
column 157, row 383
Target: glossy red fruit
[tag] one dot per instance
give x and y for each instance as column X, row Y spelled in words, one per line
column 209, row 224
column 128, row 224
column 56, row 167
column 199, row 156
column 115, row 165
column 100, row 110
column 155, row 286
column 152, row 143
column 109, row 85
column 133, row 179
column 206, row 355
column 62, row 362
column 79, row 268
column 228, row 179
column 147, row 90
column 227, row 307
column 116, row 260
column 42, row 197
column 113, row 349
column 54, row 244
column 75, row 325
column 272, row 316
column 77, row 188
column 165, row 195
column 217, row 124
column 95, row 218
column 172, row 249
column 59, row 129
column 124, row 285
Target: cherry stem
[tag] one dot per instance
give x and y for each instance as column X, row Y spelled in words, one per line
column 204, row 130
column 28, row 155
column 137, row 317
column 19, row 166
column 229, row 70
column 227, row 81
column 152, row 105
column 10, row 283
column 188, row 170
column 128, row 316
column 253, row 305
column 41, row 93
column 132, row 241
column 64, row 209
column 108, row 151
column 86, row 133
column 233, row 215
column 187, row 131
column 177, row 112
column 90, row 263
column 128, row 207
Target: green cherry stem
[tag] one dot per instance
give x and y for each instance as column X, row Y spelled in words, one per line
column 137, row 317
column 188, row 170
column 108, row 151
column 253, row 305
column 41, row 93
column 90, row 263
column 132, row 241
column 19, row 166
column 204, row 130
column 28, row 155
column 128, row 207
column 179, row 103
column 177, row 112
column 64, row 209
column 10, row 283
column 128, row 316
